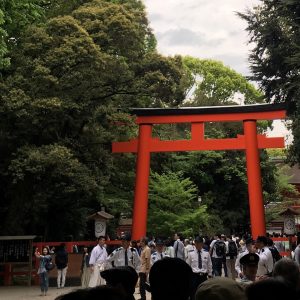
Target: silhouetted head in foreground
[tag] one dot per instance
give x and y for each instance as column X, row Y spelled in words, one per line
column 220, row 288
column 287, row 270
column 124, row 278
column 170, row 278
column 270, row 289
column 100, row 292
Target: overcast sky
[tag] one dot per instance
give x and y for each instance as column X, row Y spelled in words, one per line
column 202, row 28
column 205, row 29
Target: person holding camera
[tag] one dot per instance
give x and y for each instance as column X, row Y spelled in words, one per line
column 42, row 270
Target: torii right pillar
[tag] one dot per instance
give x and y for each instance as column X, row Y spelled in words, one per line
column 256, row 202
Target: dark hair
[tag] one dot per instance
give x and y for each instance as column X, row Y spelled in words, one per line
column 269, row 289
column 134, row 243
column 45, row 247
column 100, row 292
column 170, row 278
column 262, row 239
column 287, row 270
column 179, row 234
column 270, row 242
column 125, row 276
column 100, row 237
column 144, row 239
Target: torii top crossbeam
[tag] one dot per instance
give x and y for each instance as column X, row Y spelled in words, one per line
column 198, row 116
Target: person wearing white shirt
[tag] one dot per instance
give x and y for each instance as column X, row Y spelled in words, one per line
column 297, row 255
column 188, row 246
column 265, row 264
column 125, row 255
column 159, row 253
column 169, row 248
column 200, row 262
column 217, row 252
column 245, row 250
column 97, row 263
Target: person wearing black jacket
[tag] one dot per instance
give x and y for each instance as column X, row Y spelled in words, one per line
column 61, row 261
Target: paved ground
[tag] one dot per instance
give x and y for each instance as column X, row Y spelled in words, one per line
column 28, row 293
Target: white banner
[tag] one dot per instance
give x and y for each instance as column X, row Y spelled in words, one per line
column 100, row 228
column 289, row 225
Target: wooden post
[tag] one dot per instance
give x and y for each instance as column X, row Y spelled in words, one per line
column 140, row 208
column 256, row 203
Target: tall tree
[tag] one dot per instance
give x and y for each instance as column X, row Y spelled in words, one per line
column 15, row 16
column 173, row 206
column 213, row 83
column 67, row 79
column 274, row 30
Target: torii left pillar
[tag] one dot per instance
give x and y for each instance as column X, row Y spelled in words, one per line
column 140, row 207
column 256, row 202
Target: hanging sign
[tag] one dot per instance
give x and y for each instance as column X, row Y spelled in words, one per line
column 289, row 225
column 100, row 228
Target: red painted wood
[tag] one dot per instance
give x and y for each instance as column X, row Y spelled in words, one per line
column 256, row 203
column 7, row 274
column 140, row 208
column 250, row 142
column 197, row 144
column 197, row 131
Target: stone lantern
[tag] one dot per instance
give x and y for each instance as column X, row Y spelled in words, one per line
column 101, row 218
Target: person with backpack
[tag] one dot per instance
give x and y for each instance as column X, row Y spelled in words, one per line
column 265, row 264
column 275, row 253
column 61, row 261
column 231, row 254
column 45, row 259
column 217, row 252
column 179, row 250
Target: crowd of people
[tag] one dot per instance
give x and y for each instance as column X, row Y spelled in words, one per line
column 199, row 268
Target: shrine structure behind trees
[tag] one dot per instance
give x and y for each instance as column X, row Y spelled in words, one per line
column 250, row 142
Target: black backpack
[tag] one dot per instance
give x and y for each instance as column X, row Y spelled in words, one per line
column 61, row 259
column 49, row 265
column 220, row 248
column 275, row 254
column 232, row 249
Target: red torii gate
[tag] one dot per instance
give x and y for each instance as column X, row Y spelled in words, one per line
column 197, row 116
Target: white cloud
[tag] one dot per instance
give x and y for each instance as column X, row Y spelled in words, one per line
column 202, row 28
column 205, row 29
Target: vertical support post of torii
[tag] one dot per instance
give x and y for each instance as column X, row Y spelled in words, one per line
column 257, row 213
column 140, row 206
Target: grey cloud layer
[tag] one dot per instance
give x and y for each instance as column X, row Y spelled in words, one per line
column 202, row 28
column 186, row 37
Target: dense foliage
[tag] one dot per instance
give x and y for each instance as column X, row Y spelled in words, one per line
column 274, row 30
column 70, row 74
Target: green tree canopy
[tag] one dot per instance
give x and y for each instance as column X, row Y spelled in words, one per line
column 212, row 83
column 67, row 80
column 173, row 206
column 275, row 59
column 52, row 189
column 15, row 16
